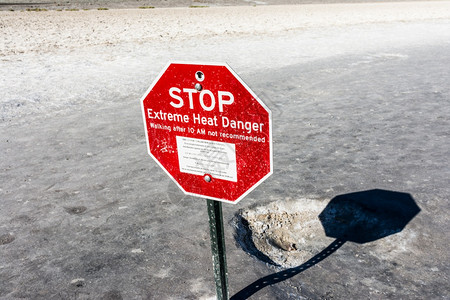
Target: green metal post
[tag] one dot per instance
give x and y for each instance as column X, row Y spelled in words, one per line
column 218, row 248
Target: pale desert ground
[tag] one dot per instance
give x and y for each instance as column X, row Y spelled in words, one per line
column 360, row 96
column 42, row 32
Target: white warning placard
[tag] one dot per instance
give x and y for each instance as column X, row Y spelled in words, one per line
column 200, row 157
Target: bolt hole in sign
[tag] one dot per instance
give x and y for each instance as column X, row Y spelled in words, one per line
column 208, row 130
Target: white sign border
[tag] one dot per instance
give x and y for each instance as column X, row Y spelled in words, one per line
column 253, row 95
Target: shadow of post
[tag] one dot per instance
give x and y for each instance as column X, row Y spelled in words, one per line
column 359, row 217
column 286, row 274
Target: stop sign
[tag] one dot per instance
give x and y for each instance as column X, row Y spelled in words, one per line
column 208, row 130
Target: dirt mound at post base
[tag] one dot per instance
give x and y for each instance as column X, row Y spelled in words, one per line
column 284, row 233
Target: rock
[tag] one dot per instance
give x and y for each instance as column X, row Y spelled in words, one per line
column 78, row 282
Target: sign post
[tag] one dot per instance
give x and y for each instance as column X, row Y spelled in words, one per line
column 218, row 248
column 213, row 136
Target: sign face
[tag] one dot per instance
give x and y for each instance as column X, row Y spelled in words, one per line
column 208, row 130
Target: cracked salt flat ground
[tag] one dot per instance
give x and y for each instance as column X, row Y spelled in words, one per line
column 369, row 112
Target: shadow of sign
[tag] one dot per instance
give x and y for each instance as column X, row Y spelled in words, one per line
column 359, row 217
column 367, row 216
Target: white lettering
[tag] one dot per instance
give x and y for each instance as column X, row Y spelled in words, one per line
column 211, row 96
column 247, row 126
column 176, row 97
column 196, row 118
column 225, row 122
column 191, row 100
column 222, row 101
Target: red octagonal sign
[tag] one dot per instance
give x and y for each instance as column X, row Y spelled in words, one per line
column 208, row 130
